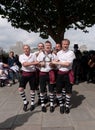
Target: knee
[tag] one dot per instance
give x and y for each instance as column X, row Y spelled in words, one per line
column 20, row 89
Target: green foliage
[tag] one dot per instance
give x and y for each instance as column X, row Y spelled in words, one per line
column 49, row 17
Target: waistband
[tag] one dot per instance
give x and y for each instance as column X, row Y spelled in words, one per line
column 44, row 73
column 51, row 75
column 24, row 73
column 63, row 72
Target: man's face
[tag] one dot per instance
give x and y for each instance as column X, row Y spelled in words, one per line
column 65, row 45
column 11, row 54
column 48, row 47
column 58, row 47
column 26, row 50
column 40, row 47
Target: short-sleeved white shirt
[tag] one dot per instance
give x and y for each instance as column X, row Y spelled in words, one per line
column 42, row 57
column 66, row 56
column 24, row 58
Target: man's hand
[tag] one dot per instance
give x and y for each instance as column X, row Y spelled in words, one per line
column 55, row 62
column 41, row 64
column 52, row 65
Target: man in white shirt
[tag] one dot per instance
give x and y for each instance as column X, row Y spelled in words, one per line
column 47, row 75
column 28, row 62
column 63, row 83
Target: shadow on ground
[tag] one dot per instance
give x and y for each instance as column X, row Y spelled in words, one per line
column 16, row 121
column 76, row 99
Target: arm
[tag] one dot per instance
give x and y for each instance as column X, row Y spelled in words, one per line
column 67, row 62
column 64, row 64
column 26, row 64
column 5, row 65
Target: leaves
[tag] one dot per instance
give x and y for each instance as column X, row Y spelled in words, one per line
column 49, row 17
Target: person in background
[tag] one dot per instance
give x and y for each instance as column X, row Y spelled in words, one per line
column 91, row 68
column 57, row 48
column 28, row 75
column 14, row 69
column 4, row 74
column 40, row 47
column 63, row 82
column 17, row 60
column 11, row 59
column 77, row 68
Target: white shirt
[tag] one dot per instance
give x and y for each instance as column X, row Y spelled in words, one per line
column 66, row 56
column 24, row 58
column 47, row 58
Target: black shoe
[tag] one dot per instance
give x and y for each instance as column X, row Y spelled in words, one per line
column 51, row 108
column 32, row 108
column 39, row 102
column 44, row 109
column 67, row 110
column 25, row 106
column 62, row 109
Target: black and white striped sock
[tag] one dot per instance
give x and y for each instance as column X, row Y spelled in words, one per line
column 60, row 100
column 51, row 96
column 68, row 99
column 32, row 98
column 42, row 100
column 64, row 95
column 23, row 95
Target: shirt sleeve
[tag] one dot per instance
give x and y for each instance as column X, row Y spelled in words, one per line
column 34, row 57
column 71, row 57
column 21, row 59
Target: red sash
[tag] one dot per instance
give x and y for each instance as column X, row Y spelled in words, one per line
column 27, row 73
column 71, row 76
column 70, row 73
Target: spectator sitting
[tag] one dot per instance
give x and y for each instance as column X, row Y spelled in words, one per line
column 4, row 74
column 14, row 69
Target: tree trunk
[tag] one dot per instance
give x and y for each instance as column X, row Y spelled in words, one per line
column 59, row 37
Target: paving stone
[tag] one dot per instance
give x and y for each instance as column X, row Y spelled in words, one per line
column 58, row 128
column 27, row 127
column 81, row 116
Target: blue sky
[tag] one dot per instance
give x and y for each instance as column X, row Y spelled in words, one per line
column 10, row 35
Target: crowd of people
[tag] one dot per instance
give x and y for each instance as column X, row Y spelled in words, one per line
column 51, row 72
column 9, row 71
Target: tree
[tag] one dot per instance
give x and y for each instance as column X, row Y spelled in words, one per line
column 49, row 17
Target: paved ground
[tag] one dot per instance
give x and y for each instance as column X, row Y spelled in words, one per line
column 81, row 116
